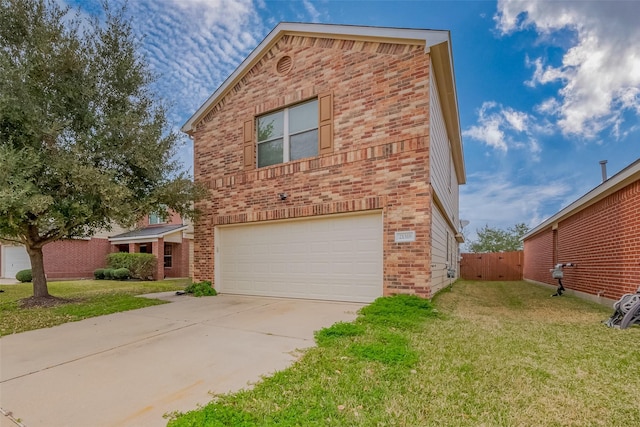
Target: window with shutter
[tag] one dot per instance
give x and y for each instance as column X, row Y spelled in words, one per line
column 325, row 123
column 296, row 132
column 248, row 147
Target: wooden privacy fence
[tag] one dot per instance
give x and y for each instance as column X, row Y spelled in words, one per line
column 492, row 266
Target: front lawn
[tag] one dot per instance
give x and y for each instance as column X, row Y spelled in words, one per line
column 87, row 298
column 488, row 353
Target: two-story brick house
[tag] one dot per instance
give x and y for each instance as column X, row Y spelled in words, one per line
column 333, row 157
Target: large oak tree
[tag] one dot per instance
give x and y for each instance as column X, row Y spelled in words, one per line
column 84, row 140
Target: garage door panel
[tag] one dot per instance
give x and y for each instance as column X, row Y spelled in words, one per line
column 333, row 258
column 14, row 259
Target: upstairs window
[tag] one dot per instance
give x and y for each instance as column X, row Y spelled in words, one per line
column 292, row 133
column 156, row 218
column 288, row 134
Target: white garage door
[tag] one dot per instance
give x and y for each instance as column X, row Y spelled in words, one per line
column 331, row 258
column 14, row 259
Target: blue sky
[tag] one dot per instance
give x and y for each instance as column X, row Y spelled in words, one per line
column 546, row 89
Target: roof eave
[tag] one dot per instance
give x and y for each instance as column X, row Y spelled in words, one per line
column 147, row 237
column 620, row 180
column 446, row 81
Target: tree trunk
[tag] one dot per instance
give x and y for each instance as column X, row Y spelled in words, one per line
column 40, row 288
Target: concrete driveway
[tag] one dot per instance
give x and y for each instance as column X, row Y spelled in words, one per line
column 128, row 369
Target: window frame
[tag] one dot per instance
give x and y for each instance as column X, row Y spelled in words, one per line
column 325, row 131
column 168, row 256
column 286, row 132
column 158, row 217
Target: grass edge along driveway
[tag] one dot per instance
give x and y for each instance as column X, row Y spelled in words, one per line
column 485, row 353
column 86, row 298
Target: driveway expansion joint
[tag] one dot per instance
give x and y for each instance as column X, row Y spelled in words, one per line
column 86, row 356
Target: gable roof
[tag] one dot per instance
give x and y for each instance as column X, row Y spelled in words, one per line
column 618, row 181
column 154, row 232
column 437, row 43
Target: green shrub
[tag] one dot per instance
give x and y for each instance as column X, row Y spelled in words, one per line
column 24, row 276
column 121, row 274
column 108, row 273
column 140, row 266
column 201, row 289
column 120, row 260
column 99, row 274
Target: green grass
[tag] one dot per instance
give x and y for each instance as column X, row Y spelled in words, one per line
column 487, row 353
column 88, row 298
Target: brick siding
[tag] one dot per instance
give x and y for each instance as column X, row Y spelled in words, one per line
column 79, row 258
column 180, row 259
column 380, row 158
column 603, row 240
column 538, row 257
column 74, row 259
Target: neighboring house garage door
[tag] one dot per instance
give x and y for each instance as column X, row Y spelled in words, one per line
column 14, row 259
column 331, row 258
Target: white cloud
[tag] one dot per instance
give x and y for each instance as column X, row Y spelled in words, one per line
column 516, row 119
column 542, row 74
column 193, row 45
column 311, row 10
column 503, row 128
column 548, row 106
column 600, row 73
column 498, row 201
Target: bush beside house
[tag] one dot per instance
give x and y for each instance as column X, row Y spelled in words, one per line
column 24, row 276
column 139, row 265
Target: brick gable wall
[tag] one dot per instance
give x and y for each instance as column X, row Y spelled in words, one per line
column 380, row 158
column 604, row 241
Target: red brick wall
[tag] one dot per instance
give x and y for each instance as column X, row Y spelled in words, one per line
column 538, row 257
column 380, row 159
column 604, row 241
column 180, row 261
column 74, row 259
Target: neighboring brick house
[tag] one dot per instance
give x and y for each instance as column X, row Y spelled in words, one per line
column 79, row 258
column 600, row 233
column 76, row 258
column 169, row 240
column 333, row 157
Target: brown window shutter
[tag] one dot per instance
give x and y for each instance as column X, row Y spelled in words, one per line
column 325, row 123
column 249, row 145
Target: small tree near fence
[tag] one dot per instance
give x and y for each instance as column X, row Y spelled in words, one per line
column 497, row 240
